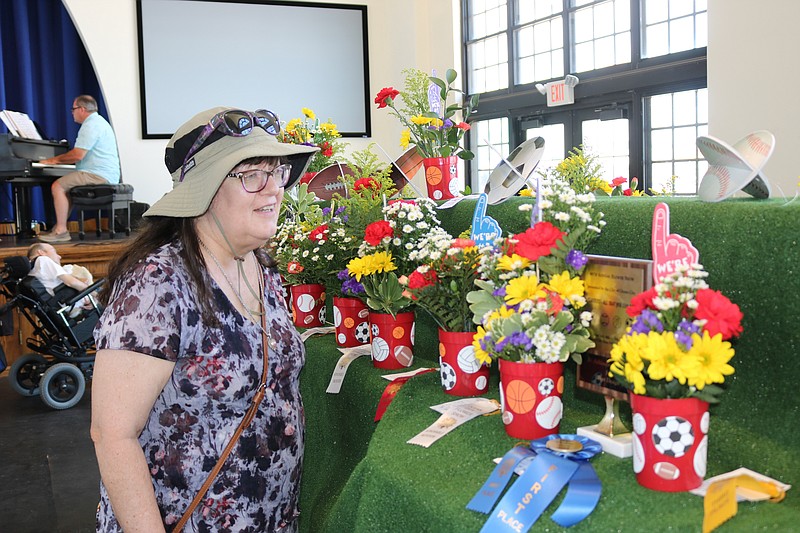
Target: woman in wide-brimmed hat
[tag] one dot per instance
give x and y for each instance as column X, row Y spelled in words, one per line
column 195, row 314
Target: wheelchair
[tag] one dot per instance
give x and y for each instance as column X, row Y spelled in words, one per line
column 63, row 349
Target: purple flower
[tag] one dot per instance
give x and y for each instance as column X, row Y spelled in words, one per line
column 326, row 211
column 517, row 339
column 646, row 322
column 343, row 274
column 340, row 210
column 683, row 335
column 576, row 259
column 501, row 292
column 351, row 287
column 447, row 124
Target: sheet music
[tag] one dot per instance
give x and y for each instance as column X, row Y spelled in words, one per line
column 20, row 124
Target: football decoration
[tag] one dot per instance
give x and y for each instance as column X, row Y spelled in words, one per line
column 328, row 181
column 673, row 436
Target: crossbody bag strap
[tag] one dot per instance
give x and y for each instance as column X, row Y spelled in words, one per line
column 248, row 417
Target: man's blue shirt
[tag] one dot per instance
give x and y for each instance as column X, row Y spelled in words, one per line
column 97, row 138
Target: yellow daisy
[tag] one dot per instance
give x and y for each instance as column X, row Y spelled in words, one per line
column 667, row 360
column 308, row 113
column 292, row 124
column 405, row 138
column 329, row 128
column 419, row 120
column 712, row 355
column 524, row 288
column 480, row 354
column 567, row 287
column 513, row 262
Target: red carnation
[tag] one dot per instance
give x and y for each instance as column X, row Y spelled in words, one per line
column 462, row 243
column 384, row 94
column 294, row 267
column 376, row 231
column 463, row 126
column 642, row 301
column 628, row 192
column 420, row 280
column 537, row 241
column 319, row 234
column 308, row 176
column 366, row 183
column 721, row 315
column 616, row 182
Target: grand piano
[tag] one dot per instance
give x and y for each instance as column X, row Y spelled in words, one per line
column 19, row 166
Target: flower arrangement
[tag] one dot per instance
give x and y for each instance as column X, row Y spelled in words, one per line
column 309, row 130
column 530, row 303
column 299, row 245
column 391, row 248
column 677, row 345
column 619, row 182
column 440, row 286
column 430, row 122
column 581, row 171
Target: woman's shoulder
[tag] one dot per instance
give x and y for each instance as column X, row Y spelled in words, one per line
column 163, row 265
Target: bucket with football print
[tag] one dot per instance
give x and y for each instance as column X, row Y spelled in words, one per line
column 441, row 177
column 670, row 442
column 350, row 321
column 530, row 394
column 392, row 340
column 462, row 374
column 308, row 305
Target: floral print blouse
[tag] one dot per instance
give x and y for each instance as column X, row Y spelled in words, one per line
column 154, row 311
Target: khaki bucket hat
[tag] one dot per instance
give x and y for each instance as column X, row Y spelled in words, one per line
column 207, row 168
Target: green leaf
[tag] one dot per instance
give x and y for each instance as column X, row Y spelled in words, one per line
column 450, row 76
column 438, row 83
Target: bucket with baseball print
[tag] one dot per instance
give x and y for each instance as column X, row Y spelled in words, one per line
column 441, row 177
column 308, row 305
column 392, row 340
column 350, row 321
column 670, row 442
column 462, row 374
column 530, row 394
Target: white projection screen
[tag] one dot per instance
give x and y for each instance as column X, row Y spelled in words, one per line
column 251, row 54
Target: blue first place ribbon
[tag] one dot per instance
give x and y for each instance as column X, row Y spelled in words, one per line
column 538, row 486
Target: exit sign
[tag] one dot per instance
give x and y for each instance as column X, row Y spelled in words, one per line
column 559, row 93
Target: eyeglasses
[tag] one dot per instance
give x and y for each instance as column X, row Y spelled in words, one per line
column 255, row 180
column 235, row 123
column 77, row 107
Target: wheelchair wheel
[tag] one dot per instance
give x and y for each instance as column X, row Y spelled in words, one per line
column 62, row 386
column 26, row 374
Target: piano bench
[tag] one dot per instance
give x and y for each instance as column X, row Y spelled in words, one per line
column 96, row 198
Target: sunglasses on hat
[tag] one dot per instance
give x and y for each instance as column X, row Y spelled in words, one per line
column 234, row 123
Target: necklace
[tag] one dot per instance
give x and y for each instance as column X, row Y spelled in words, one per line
column 260, row 296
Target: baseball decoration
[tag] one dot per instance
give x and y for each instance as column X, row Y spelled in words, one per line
column 347, row 320
column 670, row 442
column 470, row 377
column 395, row 334
column 308, row 305
column 735, row 168
column 532, row 398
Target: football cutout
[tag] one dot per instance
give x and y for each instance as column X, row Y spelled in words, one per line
column 405, row 167
column 328, row 181
column 667, row 471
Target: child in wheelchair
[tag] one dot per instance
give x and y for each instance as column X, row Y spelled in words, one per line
column 62, row 342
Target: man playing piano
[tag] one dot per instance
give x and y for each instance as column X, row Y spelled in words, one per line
column 96, row 162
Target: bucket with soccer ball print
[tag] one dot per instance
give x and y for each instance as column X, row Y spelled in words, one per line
column 461, row 373
column 350, row 322
column 308, row 305
column 670, row 442
column 392, row 340
column 530, row 394
column 441, row 177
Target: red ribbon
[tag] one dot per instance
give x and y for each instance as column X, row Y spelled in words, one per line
column 391, row 391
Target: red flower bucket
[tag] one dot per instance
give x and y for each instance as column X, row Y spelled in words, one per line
column 462, row 374
column 441, row 177
column 531, row 398
column 351, row 322
column 308, row 305
column 392, row 340
column 670, row 442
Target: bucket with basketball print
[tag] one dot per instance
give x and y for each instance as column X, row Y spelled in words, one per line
column 308, row 305
column 670, row 442
column 350, row 321
column 392, row 340
column 441, row 177
column 531, row 398
column 462, row 374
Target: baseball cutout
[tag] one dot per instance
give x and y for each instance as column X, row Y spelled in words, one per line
column 337, row 316
column 508, row 417
column 481, row 383
column 638, row 454
column 342, row 338
column 467, row 361
column 437, row 194
column 639, row 425
column 305, row 303
column 667, row 471
column 700, row 457
column 404, row 355
column 548, row 412
column 704, row 421
column 380, row 349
